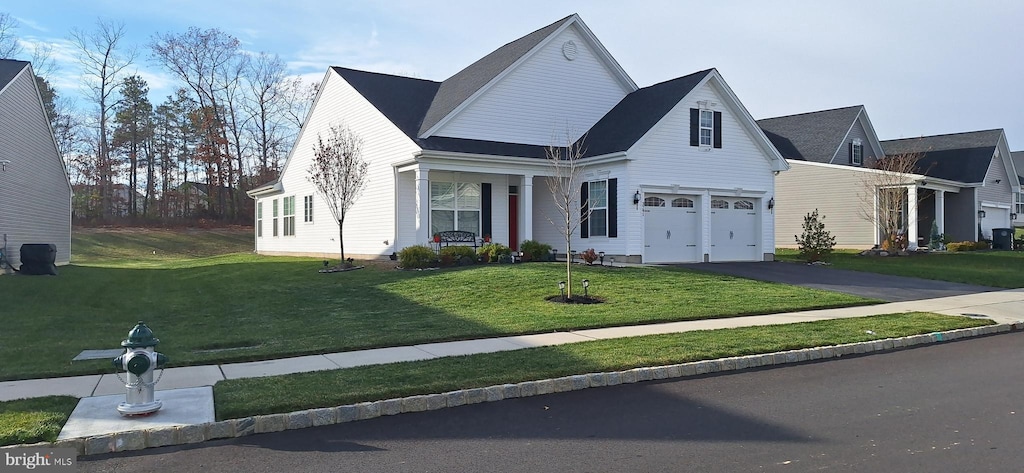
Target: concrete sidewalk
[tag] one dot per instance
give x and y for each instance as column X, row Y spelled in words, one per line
column 1001, row 306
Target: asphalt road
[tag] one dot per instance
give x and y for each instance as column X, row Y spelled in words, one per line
column 951, row 407
column 877, row 286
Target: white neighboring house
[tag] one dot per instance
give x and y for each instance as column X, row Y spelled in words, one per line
column 676, row 172
column 35, row 194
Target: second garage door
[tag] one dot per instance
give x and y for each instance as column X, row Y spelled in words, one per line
column 734, row 230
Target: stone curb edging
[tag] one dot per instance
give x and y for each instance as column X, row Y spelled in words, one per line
column 188, row 434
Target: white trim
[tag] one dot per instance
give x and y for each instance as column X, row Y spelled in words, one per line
column 996, row 205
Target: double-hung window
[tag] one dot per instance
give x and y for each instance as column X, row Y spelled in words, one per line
column 275, row 217
column 856, row 153
column 259, row 219
column 307, row 209
column 455, row 206
column 289, row 216
column 707, row 127
column 597, row 203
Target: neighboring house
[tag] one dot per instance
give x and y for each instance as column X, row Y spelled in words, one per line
column 675, row 172
column 35, row 194
column 968, row 182
column 832, row 153
column 87, row 200
column 1018, row 196
column 828, row 151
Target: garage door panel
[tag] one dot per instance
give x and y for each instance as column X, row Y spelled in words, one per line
column 734, row 234
column 671, row 229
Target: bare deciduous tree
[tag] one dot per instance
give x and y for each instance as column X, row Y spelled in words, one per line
column 564, row 183
column 339, row 174
column 9, row 45
column 885, row 198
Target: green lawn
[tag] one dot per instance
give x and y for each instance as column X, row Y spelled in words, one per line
column 34, row 420
column 236, row 398
column 986, row 268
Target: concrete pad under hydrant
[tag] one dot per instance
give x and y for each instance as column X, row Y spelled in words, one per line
column 98, row 415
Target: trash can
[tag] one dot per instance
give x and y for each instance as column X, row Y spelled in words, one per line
column 1002, row 238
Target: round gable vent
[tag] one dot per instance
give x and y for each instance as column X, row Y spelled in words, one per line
column 569, row 50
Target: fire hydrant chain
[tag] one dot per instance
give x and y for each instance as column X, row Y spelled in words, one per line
column 139, row 382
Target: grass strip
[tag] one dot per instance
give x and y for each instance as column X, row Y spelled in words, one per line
column 280, row 394
column 34, row 420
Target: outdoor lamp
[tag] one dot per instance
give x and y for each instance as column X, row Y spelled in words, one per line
column 601, row 255
column 554, row 254
column 586, row 285
column 612, row 262
column 981, row 214
column 771, row 203
column 561, row 289
column 636, row 198
column 1013, row 216
column 573, row 254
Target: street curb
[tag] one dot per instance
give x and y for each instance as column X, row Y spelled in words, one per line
column 233, row 428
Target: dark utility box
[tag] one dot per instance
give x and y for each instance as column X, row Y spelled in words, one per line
column 38, row 258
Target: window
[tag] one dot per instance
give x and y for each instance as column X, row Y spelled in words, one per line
column 307, row 209
column 259, row 219
column 707, row 127
column 597, row 203
column 654, row 202
column 856, row 153
column 743, row 205
column 289, row 216
column 682, row 202
column 455, row 206
column 719, row 204
column 1019, row 204
column 275, row 217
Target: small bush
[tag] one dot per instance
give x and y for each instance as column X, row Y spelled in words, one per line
column 535, row 250
column 816, row 243
column 965, row 246
column 491, row 251
column 982, row 245
column 458, row 252
column 417, row 257
column 589, row 255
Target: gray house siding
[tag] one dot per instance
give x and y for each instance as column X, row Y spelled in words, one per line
column 959, row 207
column 35, row 196
column 857, row 132
column 993, row 191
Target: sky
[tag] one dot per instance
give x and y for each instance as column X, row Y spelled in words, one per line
column 920, row 67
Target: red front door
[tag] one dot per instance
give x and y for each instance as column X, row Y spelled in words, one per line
column 513, row 222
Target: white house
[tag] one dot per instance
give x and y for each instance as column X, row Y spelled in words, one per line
column 35, row 194
column 676, row 172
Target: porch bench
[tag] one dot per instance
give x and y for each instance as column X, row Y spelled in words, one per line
column 457, row 237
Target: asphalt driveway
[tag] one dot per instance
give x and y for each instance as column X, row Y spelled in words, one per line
column 873, row 285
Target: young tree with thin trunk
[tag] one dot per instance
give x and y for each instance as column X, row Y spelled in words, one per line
column 564, row 183
column 885, row 199
column 339, row 174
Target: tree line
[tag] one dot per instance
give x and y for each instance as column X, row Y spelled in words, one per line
column 226, row 128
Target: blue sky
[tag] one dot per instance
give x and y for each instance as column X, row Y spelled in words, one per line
column 920, row 67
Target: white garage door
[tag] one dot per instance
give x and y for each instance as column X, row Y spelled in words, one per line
column 672, row 229
column 734, row 230
column 995, row 217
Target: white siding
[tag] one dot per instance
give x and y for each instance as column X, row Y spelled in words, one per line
column 371, row 221
column 35, row 196
column 537, row 101
column 664, row 157
column 838, row 195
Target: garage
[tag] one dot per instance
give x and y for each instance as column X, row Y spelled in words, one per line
column 995, row 217
column 734, row 230
column 672, row 227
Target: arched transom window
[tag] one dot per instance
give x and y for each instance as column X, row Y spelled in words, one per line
column 682, row 202
column 654, row 202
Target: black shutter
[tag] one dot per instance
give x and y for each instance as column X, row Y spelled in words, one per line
column 718, row 129
column 613, row 208
column 694, row 127
column 851, row 152
column 485, row 209
column 584, row 200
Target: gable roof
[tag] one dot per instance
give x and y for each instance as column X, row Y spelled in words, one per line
column 9, row 69
column 458, row 88
column 1018, row 163
column 637, row 113
column 812, row 136
column 963, row 157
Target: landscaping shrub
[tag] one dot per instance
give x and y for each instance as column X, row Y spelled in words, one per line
column 982, row 245
column 417, row 257
column 457, row 253
column 589, row 255
column 816, row 243
column 966, row 246
column 492, row 251
column 535, row 250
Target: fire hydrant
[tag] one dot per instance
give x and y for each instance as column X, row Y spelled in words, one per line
column 139, row 360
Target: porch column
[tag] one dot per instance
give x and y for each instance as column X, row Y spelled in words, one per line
column 912, row 217
column 527, row 205
column 422, row 206
column 940, row 211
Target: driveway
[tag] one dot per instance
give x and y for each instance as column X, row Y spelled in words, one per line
column 873, row 285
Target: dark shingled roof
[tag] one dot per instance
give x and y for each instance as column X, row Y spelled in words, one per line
column 963, row 157
column 459, row 87
column 636, row 113
column 813, row 136
column 1018, row 164
column 10, row 68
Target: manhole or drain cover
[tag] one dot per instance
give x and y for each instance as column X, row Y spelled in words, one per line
column 983, row 316
column 98, row 354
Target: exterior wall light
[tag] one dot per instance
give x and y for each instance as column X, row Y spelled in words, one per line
column 771, row 203
column 981, row 214
column 636, row 198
